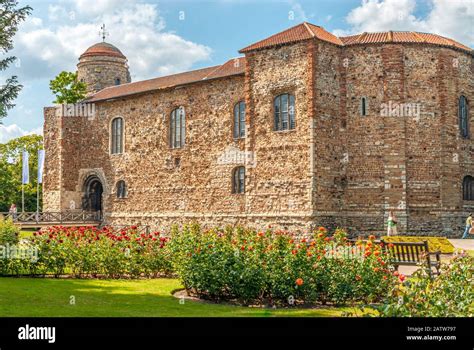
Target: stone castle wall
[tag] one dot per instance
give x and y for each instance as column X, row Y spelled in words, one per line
column 336, row 168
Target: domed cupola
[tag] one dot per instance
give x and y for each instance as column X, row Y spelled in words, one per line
column 102, row 65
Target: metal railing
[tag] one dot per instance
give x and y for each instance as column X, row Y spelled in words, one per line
column 53, row 217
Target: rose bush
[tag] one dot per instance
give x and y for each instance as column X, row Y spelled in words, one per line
column 277, row 268
column 88, row 251
column 451, row 294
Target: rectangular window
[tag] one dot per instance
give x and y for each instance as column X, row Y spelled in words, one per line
column 277, row 114
column 242, row 120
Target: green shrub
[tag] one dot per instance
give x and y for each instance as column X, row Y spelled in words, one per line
column 8, row 232
column 276, row 268
column 449, row 295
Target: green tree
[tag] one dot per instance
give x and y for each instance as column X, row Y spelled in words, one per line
column 67, row 88
column 10, row 18
column 11, row 169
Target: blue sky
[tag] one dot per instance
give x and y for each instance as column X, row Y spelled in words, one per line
column 170, row 36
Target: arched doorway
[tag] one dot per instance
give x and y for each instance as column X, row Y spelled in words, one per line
column 93, row 190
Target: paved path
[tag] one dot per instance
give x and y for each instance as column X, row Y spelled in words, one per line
column 465, row 244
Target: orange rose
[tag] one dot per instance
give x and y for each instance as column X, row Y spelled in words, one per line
column 299, row 281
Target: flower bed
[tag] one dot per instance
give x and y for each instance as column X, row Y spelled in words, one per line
column 276, row 268
column 87, row 251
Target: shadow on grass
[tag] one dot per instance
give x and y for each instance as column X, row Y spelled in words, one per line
column 35, row 297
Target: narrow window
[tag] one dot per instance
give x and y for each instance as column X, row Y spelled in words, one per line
column 468, row 188
column 177, row 128
column 117, row 81
column 363, row 106
column 117, row 136
column 239, row 120
column 121, row 189
column 463, row 117
column 238, row 180
column 284, row 112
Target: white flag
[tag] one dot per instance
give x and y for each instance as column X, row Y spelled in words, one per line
column 40, row 165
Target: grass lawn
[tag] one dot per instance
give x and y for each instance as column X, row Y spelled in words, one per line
column 47, row 297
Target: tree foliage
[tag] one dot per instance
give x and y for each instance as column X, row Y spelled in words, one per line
column 11, row 169
column 10, row 18
column 67, row 88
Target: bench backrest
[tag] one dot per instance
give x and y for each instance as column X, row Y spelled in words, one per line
column 407, row 252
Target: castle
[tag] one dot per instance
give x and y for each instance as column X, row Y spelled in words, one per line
column 305, row 129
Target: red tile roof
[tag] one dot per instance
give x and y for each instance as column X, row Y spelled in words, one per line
column 102, row 49
column 232, row 67
column 306, row 31
column 403, row 37
column 300, row 32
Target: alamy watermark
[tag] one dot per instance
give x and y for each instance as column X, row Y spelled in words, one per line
column 11, row 251
column 233, row 155
column 76, row 110
column 394, row 109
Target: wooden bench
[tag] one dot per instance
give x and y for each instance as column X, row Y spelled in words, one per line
column 413, row 254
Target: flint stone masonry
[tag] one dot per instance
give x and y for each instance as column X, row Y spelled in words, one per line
column 336, row 168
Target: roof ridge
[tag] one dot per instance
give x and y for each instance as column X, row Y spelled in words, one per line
column 361, row 36
column 419, row 36
column 306, row 24
column 162, row 77
column 276, row 34
column 390, row 36
column 213, row 71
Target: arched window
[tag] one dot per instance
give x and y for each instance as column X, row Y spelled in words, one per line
column 284, row 108
column 121, row 189
column 238, row 180
column 117, row 81
column 468, row 188
column 177, row 128
column 239, row 120
column 363, row 106
column 117, row 136
column 463, row 117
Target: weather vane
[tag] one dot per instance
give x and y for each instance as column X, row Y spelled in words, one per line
column 103, row 33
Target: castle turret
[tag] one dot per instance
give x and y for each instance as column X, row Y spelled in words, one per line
column 102, row 65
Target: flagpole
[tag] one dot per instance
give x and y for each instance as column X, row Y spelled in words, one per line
column 37, row 198
column 22, row 198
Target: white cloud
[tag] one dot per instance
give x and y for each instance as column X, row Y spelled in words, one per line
column 135, row 28
column 298, row 11
column 9, row 132
column 454, row 19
